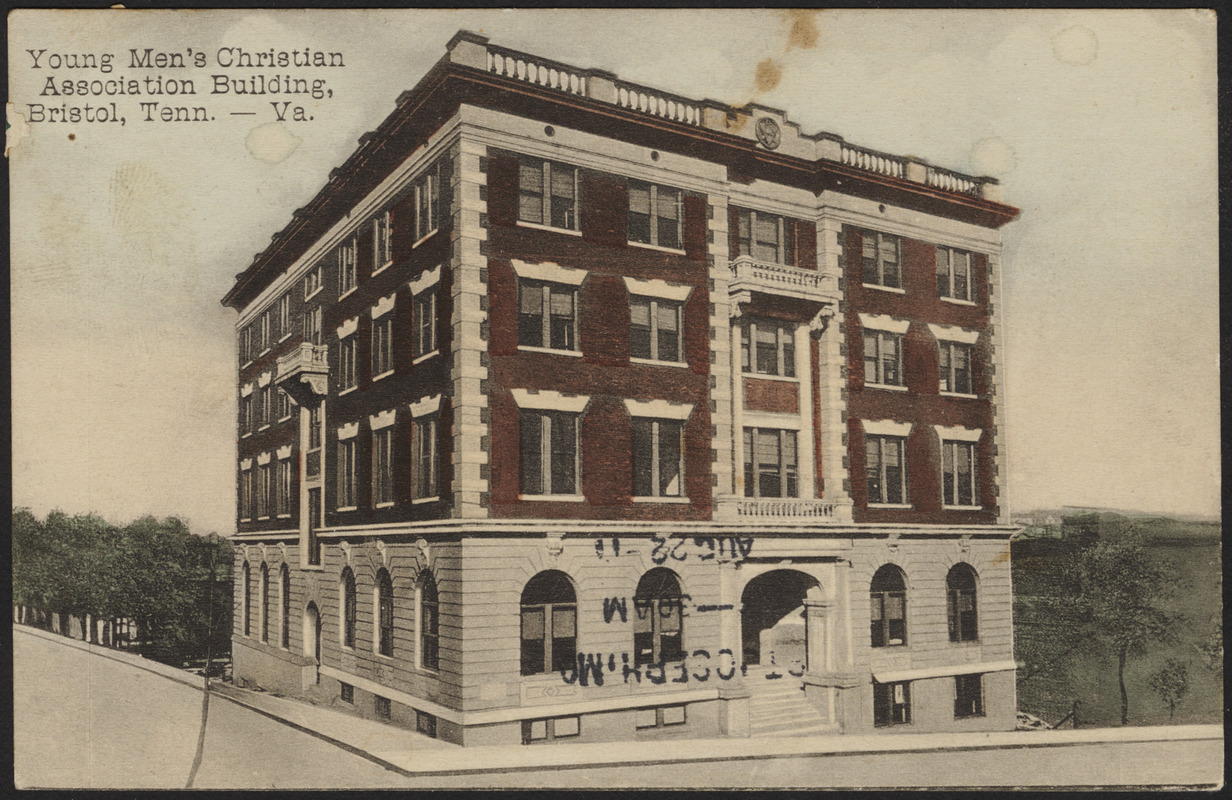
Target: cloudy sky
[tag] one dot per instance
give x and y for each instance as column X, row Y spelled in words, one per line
column 1101, row 126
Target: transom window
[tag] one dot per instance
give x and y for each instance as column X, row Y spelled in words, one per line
column 346, row 474
column 955, row 367
column 425, row 322
column 382, row 345
column 346, row 363
column 423, row 457
column 383, row 466
column 960, row 604
column 550, row 453
column 348, row 275
column 886, row 469
column 768, row 348
column 548, row 194
column 655, row 329
column 953, row 274
column 968, row 696
column 887, row 596
column 766, row 237
column 958, row 473
column 655, row 215
column 770, row 463
column 547, row 315
column 658, row 458
column 882, row 260
column 883, row 358
column 549, row 623
column 891, row 704
column 657, row 621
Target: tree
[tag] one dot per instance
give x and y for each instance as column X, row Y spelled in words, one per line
column 1170, row 682
column 1212, row 648
column 1122, row 595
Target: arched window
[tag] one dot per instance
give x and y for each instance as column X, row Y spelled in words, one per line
column 265, row 602
column 960, row 603
column 348, row 607
column 549, row 623
column 888, row 598
column 384, row 613
column 246, row 605
column 284, row 597
column 429, row 623
column 657, row 623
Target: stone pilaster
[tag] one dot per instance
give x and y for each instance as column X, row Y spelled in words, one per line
column 721, row 365
column 831, row 379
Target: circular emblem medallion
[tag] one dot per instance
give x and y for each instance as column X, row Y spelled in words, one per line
column 768, row 133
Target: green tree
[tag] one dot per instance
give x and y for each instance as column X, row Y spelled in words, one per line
column 1170, row 682
column 1122, row 596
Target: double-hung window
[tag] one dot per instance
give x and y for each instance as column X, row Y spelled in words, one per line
column 382, row 242
column 960, row 605
column 313, row 280
column 953, row 274
column 658, row 457
column 382, row 345
column 425, row 322
column 766, row 237
column 883, row 358
column 655, row 215
column 312, row 325
column 383, row 466
column 550, row 453
column 246, row 422
column 427, row 188
column 768, row 348
column 958, row 473
column 267, row 406
column 655, row 329
column 955, row 367
column 346, row 474
column 547, row 315
column 968, row 696
column 348, row 275
column 881, row 260
column 246, row 493
column 891, row 703
column 266, row 334
column 284, row 406
column 263, row 490
column 246, row 344
column 284, row 316
column 549, row 624
column 548, row 194
column 658, row 622
column 423, row 457
column 770, row 463
column 346, row 363
column 887, row 597
column 885, row 468
column 283, row 505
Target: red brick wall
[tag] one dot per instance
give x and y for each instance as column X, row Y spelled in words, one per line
column 778, row 397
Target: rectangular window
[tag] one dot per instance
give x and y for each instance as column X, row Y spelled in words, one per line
column 267, row 406
column 347, row 267
column 891, row 704
column 958, row 473
column 425, row 723
column 547, row 315
column 655, row 329
column 655, row 215
column 550, row 453
column 283, row 507
column 346, row 474
column 284, row 316
column 314, row 522
column 886, row 469
column 423, row 458
column 883, row 358
column 314, row 428
column 658, row 458
column 266, row 336
column 661, row 717
column 382, row 345
column 881, row 260
column 548, row 194
column 346, row 363
column 346, row 692
column 263, row 490
column 246, row 344
column 953, row 274
column 770, row 464
column 955, row 367
column 425, row 322
column 284, row 406
column 246, row 494
column 768, row 348
column 313, row 280
column 312, row 325
column 968, row 696
column 427, row 188
column 766, row 237
column 246, row 420
column 546, row 730
column 382, row 242
column 383, row 466
column 382, row 706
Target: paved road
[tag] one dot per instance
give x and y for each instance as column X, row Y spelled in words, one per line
column 83, row 721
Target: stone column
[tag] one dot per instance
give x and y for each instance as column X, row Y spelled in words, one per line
column 733, row 693
column 831, row 378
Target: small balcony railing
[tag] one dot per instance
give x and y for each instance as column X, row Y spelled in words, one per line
column 776, row 508
column 304, row 373
column 748, row 274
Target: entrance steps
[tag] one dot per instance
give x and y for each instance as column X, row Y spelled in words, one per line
column 779, row 708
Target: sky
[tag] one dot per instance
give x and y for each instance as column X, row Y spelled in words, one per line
column 1100, row 124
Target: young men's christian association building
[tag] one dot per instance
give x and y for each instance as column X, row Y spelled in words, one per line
column 574, row 410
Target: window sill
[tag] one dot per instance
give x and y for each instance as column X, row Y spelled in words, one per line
column 285, row 336
column 284, row 516
column 425, row 357
column 425, row 238
column 553, row 498
column 540, row 227
column 960, row 394
column 347, row 508
column 263, row 428
column 390, row 504
column 419, row 500
column 245, row 435
column 348, row 390
column 246, row 364
column 890, row 289
column 885, row 386
column 349, row 292
column 673, row 500
column 659, row 248
column 958, row 301
column 968, row 716
column 263, row 519
column 313, row 293
column 245, row 519
column 284, row 419
column 654, row 362
column 891, row 505
column 526, row 348
column 765, row 376
column 263, row 353
column 962, row 508
column 384, row 374
column 382, row 268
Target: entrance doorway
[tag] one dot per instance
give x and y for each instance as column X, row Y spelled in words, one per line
column 772, row 619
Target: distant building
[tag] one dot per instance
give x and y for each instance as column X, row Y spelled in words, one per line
column 573, row 409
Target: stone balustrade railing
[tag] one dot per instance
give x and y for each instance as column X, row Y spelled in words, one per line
column 307, row 356
column 872, row 161
column 539, row 71
column 659, row 104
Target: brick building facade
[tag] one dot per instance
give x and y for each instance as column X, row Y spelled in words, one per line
column 570, row 409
